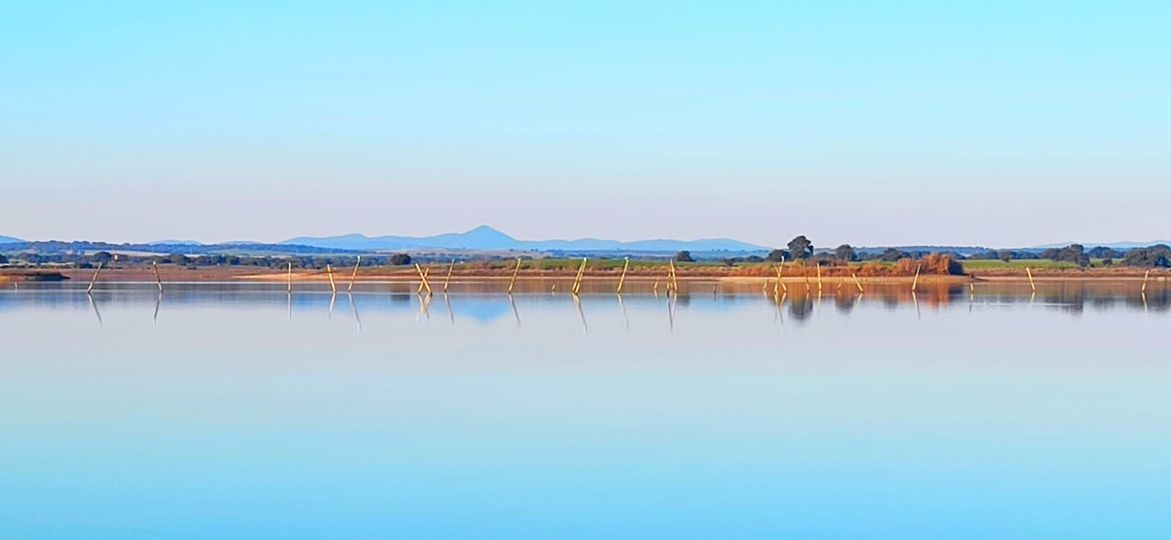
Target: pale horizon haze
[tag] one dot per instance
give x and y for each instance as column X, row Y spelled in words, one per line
column 1000, row 123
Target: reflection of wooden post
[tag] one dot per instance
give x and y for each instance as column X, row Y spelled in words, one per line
column 332, row 285
column 515, row 271
column 450, row 269
column 354, row 275
column 915, row 284
column 423, row 277
column 1147, row 275
column 290, row 280
column 158, row 278
column 857, row 282
column 1031, row 283
column 94, row 280
column 622, row 280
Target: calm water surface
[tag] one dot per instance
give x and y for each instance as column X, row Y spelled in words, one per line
column 231, row 411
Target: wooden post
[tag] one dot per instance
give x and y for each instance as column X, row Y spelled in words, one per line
column 1147, row 275
column 857, row 282
column 354, row 275
column 915, row 284
column 780, row 282
column 332, row 285
column 580, row 276
column 1031, row 283
column 622, row 279
column 158, row 279
column 94, row 280
column 515, row 271
column 819, row 277
column 290, row 281
column 423, row 277
column 450, row 269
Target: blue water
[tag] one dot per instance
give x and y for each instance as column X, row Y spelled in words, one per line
column 238, row 412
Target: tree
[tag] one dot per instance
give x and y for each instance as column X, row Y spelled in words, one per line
column 400, row 259
column 894, row 255
column 778, row 255
column 1154, row 256
column 3, row 259
column 800, row 247
column 684, row 256
column 103, row 257
column 1073, row 253
column 845, row 253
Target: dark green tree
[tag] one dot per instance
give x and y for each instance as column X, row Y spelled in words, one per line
column 800, row 247
column 845, row 252
column 684, row 256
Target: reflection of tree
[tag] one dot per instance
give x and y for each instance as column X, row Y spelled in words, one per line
column 844, row 303
column 801, row 308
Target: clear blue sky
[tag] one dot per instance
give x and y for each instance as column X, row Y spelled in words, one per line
column 996, row 123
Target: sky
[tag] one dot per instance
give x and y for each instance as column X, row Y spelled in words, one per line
column 999, row 123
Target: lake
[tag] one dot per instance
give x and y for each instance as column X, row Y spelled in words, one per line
column 240, row 411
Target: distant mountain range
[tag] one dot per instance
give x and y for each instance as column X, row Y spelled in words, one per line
column 485, row 238
column 1112, row 245
column 9, row 240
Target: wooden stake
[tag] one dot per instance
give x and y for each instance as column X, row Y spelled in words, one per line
column 857, row 282
column 1147, row 275
column 622, row 280
column 1031, row 283
column 94, row 279
column 915, row 284
column 580, row 276
column 819, row 277
column 423, row 277
column 158, row 279
column 332, row 285
column 354, row 275
column 290, row 281
column 450, row 269
column 515, row 271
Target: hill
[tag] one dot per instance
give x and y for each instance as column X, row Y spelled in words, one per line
column 487, row 238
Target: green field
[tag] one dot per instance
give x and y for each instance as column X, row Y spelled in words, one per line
column 1043, row 264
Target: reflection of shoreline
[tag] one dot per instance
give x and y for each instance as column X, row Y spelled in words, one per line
column 485, row 302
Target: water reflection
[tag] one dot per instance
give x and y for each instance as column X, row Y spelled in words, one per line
column 484, row 301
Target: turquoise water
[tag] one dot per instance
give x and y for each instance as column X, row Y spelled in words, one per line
column 239, row 412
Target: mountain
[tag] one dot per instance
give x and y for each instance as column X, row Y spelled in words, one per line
column 1111, row 245
column 9, row 240
column 487, row 238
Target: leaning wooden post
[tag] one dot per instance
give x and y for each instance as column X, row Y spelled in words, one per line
column 423, row 277
column 332, row 285
column 447, row 280
column 857, row 282
column 915, row 284
column 622, row 279
column 1031, row 282
column 780, row 281
column 158, row 279
column 515, row 271
column 354, row 275
column 1147, row 275
column 580, row 276
column 94, row 280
